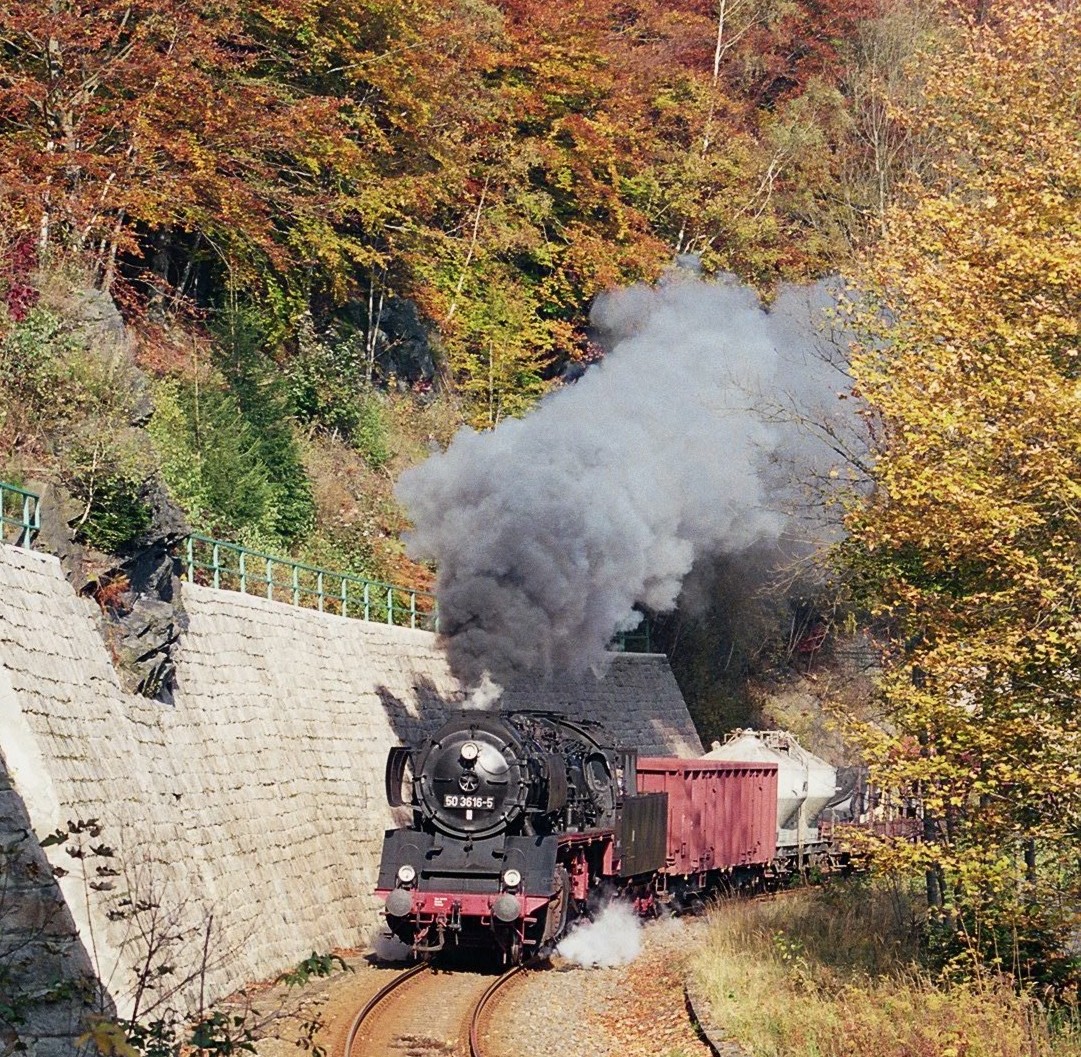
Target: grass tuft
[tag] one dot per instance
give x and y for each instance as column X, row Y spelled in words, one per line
column 834, row 973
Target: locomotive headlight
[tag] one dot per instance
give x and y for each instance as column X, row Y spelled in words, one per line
column 470, row 751
column 406, row 874
column 512, row 878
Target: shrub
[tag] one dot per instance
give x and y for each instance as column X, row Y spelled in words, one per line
column 211, row 462
column 330, row 388
column 244, row 338
column 70, row 408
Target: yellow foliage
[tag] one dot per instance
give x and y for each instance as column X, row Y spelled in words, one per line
column 109, row 1039
column 971, row 546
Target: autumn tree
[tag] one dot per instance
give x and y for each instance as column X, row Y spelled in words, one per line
column 970, row 548
column 119, row 119
column 498, row 163
column 883, row 81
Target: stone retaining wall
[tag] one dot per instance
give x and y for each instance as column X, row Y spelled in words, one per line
column 246, row 817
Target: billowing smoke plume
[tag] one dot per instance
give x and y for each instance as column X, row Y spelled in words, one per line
column 549, row 530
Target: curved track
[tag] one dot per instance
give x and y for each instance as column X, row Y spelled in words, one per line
column 378, row 1001
column 478, row 1022
column 425, row 1012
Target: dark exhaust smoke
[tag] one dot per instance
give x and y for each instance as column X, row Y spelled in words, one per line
column 678, row 446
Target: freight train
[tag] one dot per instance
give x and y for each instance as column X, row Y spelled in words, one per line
column 521, row 820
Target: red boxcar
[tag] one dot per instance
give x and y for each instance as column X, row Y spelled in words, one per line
column 721, row 814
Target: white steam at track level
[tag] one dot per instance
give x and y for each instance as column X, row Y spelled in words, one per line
column 613, row 938
column 548, row 530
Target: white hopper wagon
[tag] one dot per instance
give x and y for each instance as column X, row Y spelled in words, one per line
column 805, row 785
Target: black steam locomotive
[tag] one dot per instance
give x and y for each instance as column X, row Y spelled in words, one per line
column 517, row 818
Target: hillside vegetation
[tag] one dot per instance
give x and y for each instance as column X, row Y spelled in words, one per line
column 839, row 973
column 335, row 232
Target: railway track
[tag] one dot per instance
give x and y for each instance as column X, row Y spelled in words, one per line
column 453, row 1022
column 361, row 1026
column 428, row 1012
column 478, row 1023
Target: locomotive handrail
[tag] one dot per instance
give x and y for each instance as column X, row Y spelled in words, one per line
column 233, row 567
column 20, row 528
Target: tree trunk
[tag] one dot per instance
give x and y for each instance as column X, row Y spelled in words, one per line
column 1030, row 861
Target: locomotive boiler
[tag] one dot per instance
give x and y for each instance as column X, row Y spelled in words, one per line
column 517, row 818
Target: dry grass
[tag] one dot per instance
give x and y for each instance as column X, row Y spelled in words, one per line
column 831, row 973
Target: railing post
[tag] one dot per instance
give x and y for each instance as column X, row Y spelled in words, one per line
column 26, row 519
column 390, row 605
column 243, row 574
column 270, row 579
column 296, row 584
column 215, row 559
column 367, row 600
column 412, row 609
column 345, row 597
column 189, row 548
column 319, row 588
column 27, row 533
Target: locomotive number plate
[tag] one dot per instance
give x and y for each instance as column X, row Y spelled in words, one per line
column 457, row 800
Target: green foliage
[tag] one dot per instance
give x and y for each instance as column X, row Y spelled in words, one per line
column 220, row 1035
column 227, row 445
column 155, row 1038
column 263, row 402
column 313, row 967
column 116, row 514
column 31, row 355
column 369, row 435
column 70, row 403
column 214, row 1034
column 210, row 460
column 330, row 386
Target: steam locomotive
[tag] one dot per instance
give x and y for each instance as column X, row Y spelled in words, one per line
column 520, row 819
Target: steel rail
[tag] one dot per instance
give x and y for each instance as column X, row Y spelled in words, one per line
column 482, row 1003
column 377, row 999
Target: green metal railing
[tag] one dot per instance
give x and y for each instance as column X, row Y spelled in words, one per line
column 640, row 640
column 229, row 566
column 20, row 516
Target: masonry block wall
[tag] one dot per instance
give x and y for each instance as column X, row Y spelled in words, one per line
column 250, row 812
